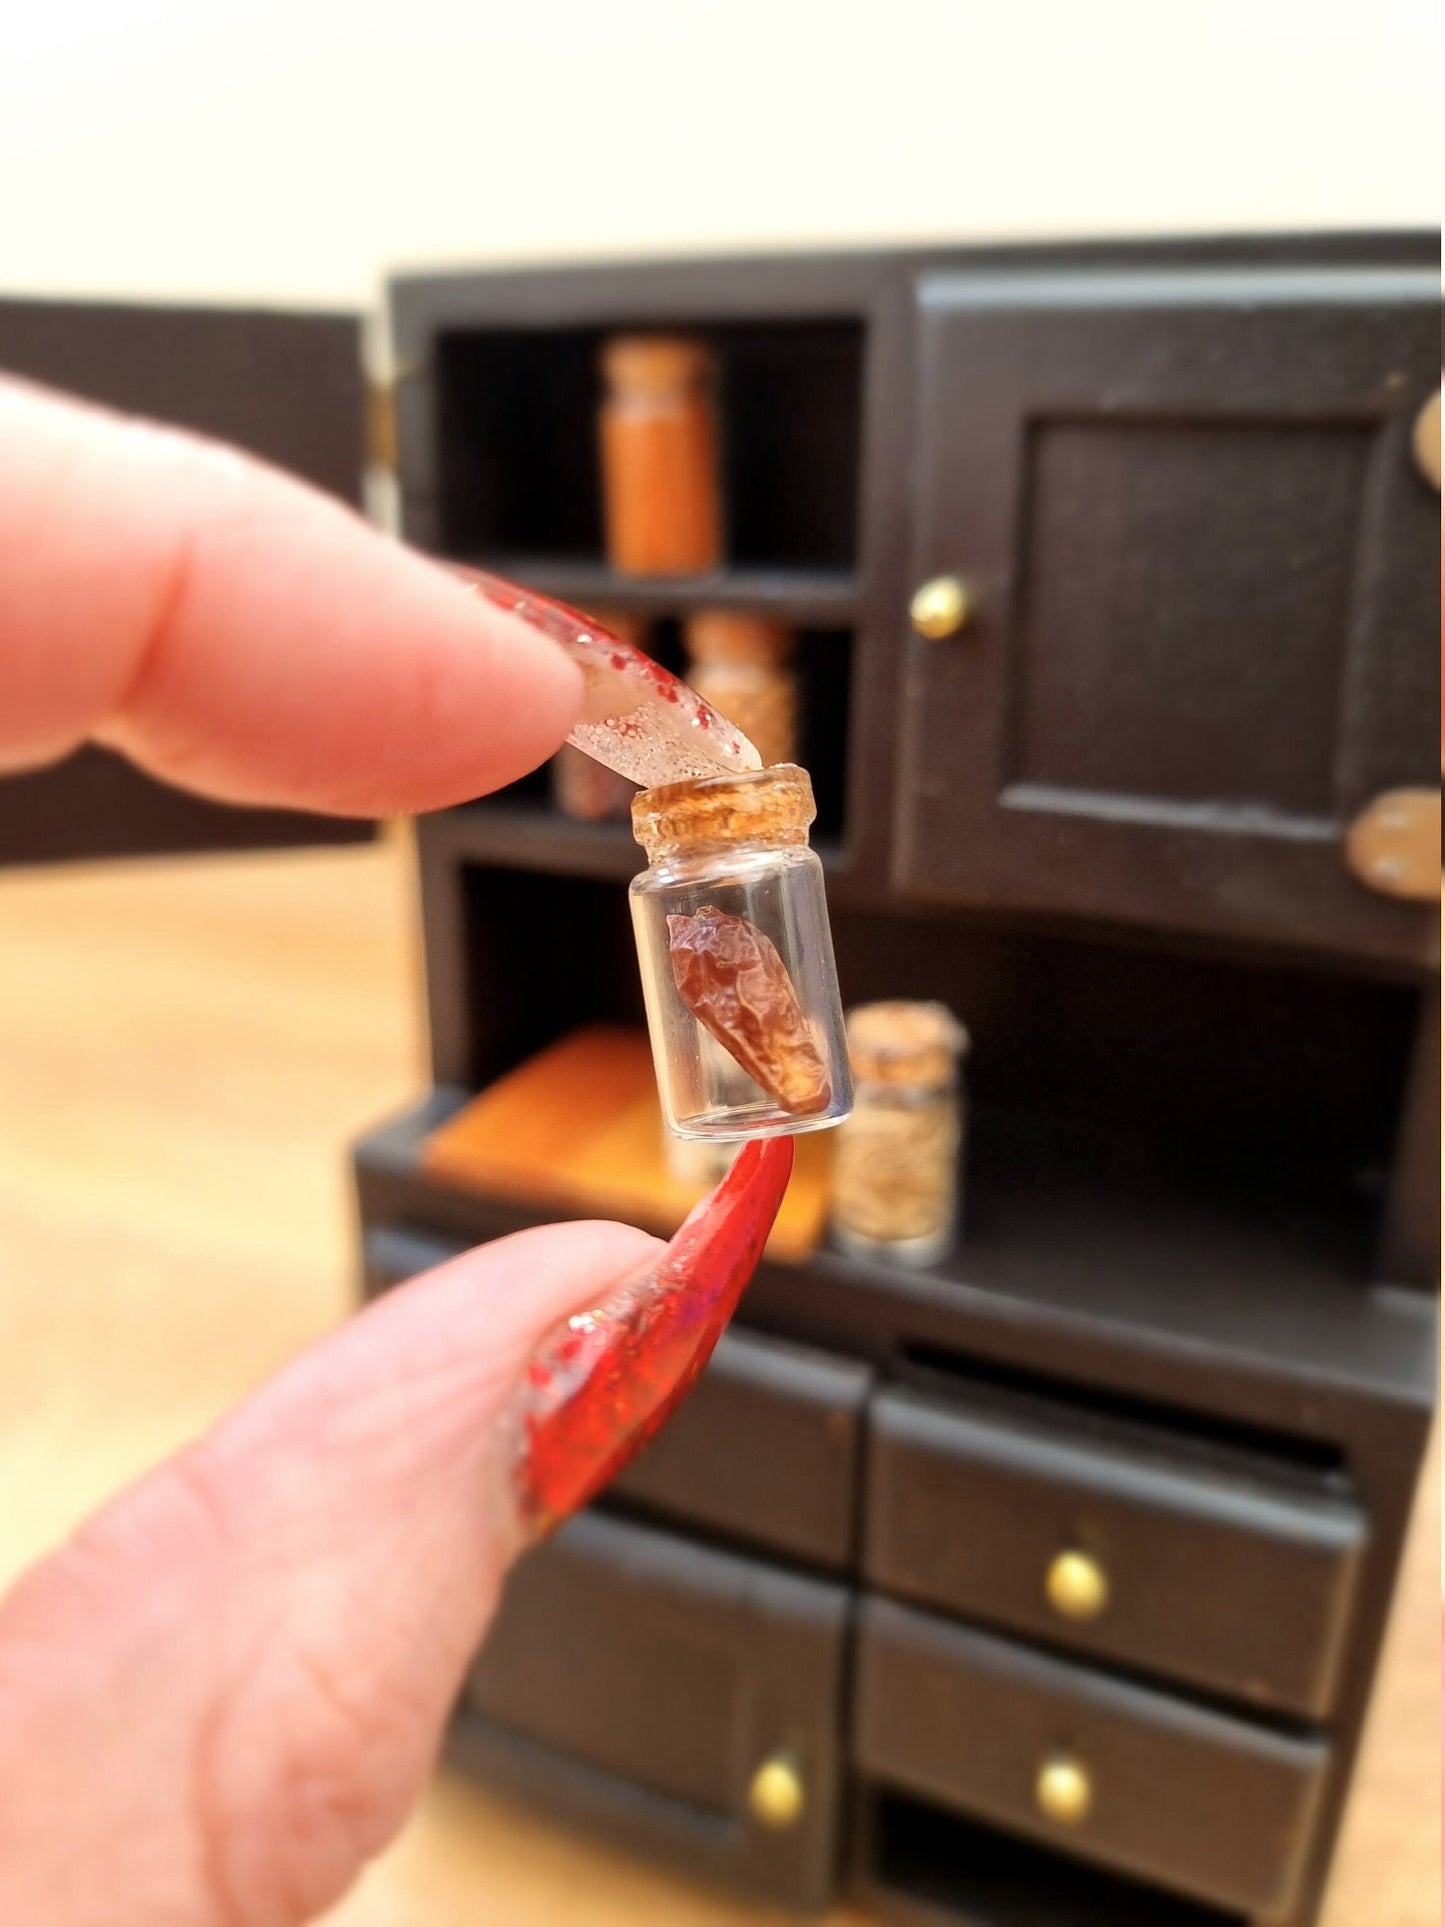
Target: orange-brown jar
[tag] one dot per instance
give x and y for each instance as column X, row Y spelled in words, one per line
column 742, row 665
column 659, row 447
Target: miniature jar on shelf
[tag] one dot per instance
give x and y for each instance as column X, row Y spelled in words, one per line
column 896, row 1172
column 737, row 957
column 742, row 666
column 659, row 447
column 581, row 786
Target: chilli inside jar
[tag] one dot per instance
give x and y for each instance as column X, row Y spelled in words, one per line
column 737, row 958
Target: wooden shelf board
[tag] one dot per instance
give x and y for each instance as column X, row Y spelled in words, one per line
column 814, row 597
column 578, row 1128
column 1188, row 1280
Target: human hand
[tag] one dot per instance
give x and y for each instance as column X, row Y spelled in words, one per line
column 223, row 1694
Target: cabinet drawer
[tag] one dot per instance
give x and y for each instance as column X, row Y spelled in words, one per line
column 766, row 1447
column 643, row 1684
column 1222, row 1580
column 1112, row 1772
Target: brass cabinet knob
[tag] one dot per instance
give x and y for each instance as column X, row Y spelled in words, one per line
column 1077, row 1585
column 1426, row 441
column 1064, row 1791
column 940, row 607
column 1393, row 845
column 776, row 1794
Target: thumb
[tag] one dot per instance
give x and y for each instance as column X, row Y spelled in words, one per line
column 223, row 1695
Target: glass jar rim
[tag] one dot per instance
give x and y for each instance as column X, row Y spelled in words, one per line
column 770, row 806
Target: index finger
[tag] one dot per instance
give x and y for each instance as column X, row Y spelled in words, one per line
column 238, row 632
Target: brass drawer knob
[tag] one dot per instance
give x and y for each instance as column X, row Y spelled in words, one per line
column 1064, row 1791
column 1077, row 1585
column 940, row 607
column 776, row 1795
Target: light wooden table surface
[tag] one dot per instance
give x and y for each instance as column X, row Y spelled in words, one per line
column 185, row 1050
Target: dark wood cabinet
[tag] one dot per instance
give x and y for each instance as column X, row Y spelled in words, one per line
column 1201, row 559
column 651, row 1681
column 1189, row 1330
column 1189, row 1333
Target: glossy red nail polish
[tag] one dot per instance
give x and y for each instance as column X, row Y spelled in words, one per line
column 604, row 1381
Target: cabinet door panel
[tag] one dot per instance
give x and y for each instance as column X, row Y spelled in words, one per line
column 1204, row 573
column 640, row 1682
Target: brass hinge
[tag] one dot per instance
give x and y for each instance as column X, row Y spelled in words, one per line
column 381, row 437
column 1393, row 845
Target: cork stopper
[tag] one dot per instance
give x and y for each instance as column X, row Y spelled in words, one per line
column 768, row 806
column 652, row 367
column 898, row 1042
column 722, row 636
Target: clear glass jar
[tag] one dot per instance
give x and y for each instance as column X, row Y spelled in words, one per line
column 737, row 957
column 896, row 1183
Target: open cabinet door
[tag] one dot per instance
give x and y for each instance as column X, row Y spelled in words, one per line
column 288, row 387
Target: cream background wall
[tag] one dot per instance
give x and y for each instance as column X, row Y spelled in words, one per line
column 292, row 150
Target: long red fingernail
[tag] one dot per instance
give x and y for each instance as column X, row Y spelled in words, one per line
column 603, row 1381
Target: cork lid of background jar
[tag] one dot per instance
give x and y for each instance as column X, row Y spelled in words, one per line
column 653, row 366
column 898, row 1042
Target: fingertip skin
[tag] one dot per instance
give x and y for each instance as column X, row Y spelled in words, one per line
column 241, row 633
column 227, row 1690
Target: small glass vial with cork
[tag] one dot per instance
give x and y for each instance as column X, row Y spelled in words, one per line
column 896, row 1169
column 737, row 957
column 742, row 665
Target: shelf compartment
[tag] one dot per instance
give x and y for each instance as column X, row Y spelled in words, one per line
column 518, row 472
column 919, row 1864
column 1132, row 1102
column 522, row 827
column 577, row 1128
column 1167, row 1318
